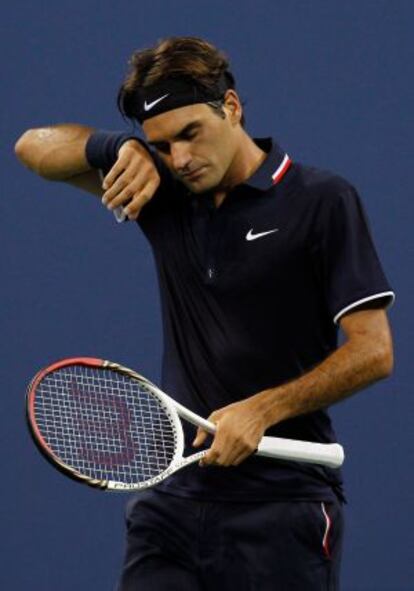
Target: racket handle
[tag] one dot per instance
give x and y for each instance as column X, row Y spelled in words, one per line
column 327, row 454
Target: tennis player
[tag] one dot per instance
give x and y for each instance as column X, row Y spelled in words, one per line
column 261, row 260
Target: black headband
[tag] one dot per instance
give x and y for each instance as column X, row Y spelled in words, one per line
column 173, row 93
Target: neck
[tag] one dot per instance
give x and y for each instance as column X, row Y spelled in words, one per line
column 246, row 161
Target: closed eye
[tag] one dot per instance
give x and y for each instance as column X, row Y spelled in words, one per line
column 162, row 147
column 187, row 134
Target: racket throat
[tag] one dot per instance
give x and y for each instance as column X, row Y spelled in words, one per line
column 183, row 462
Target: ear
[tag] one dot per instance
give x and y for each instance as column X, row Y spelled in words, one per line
column 233, row 107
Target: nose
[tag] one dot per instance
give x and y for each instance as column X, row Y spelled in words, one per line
column 180, row 156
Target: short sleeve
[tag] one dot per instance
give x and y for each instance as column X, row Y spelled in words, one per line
column 348, row 265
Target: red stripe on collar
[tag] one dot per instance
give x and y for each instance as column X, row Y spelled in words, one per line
column 281, row 170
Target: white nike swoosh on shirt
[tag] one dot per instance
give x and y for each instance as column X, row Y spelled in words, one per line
column 251, row 236
column 148, row 106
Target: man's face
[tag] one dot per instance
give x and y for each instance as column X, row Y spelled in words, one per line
column 197, row 145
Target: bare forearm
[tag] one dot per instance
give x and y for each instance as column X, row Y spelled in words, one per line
column 365, row 357
column 56, row 152
column 353, row 366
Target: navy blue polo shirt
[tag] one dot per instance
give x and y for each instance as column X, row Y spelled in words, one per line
column 251, row 295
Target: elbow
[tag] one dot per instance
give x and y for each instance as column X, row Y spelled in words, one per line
column 30, row 150
column 25, row 148
column 384, row 362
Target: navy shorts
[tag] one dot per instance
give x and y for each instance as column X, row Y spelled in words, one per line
column 176, row 544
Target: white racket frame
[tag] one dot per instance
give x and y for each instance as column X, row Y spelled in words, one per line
column 329, row 454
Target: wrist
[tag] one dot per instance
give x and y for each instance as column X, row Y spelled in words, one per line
column 135, row 143
column 101, row 149
column 271, row 405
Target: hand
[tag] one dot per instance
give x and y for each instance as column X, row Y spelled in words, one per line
column 132, row 181
column 240, row 427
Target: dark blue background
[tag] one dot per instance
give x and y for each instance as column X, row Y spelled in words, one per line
column 333, row 81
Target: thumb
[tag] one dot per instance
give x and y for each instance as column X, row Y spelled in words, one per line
column 200, row 437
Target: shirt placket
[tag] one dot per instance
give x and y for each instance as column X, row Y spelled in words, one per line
column 213, row 243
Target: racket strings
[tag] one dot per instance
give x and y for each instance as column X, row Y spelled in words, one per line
column 104, row 425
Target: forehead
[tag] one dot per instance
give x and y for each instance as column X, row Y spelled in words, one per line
column 169, row 124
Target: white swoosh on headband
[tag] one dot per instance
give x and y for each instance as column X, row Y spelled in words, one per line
column 148, row 106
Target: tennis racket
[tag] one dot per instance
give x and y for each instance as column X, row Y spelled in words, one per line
column 109, row 427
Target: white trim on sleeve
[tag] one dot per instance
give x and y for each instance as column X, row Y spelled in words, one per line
column 367, row 299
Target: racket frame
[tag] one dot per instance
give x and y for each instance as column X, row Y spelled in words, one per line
column 168, row 404
column 331, row 455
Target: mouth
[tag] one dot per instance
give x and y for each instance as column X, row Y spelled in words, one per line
column 194, row 174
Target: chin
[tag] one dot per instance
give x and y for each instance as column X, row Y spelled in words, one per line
column 199, row 190
column 198, row 187
column 203, row 185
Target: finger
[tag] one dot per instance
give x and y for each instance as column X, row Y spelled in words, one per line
column 244, row 452
column 121, row 184
column 218, row 451
column 227, row 457
column 117, row 169
column 212, row 457
column 232, row 448
column 122, row 199
column 131, row 194
column 133, row 166
column 140, row 198
column 200, row 437
column 130, row 182
column 131, row 191
column 130, row 177
column 133, row 209
column 240, row 458
column 229, row 453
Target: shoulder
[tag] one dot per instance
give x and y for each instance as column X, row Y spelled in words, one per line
column 322, row 187
column 323, row 198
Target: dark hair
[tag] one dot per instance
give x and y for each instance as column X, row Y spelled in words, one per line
column 189, row 58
